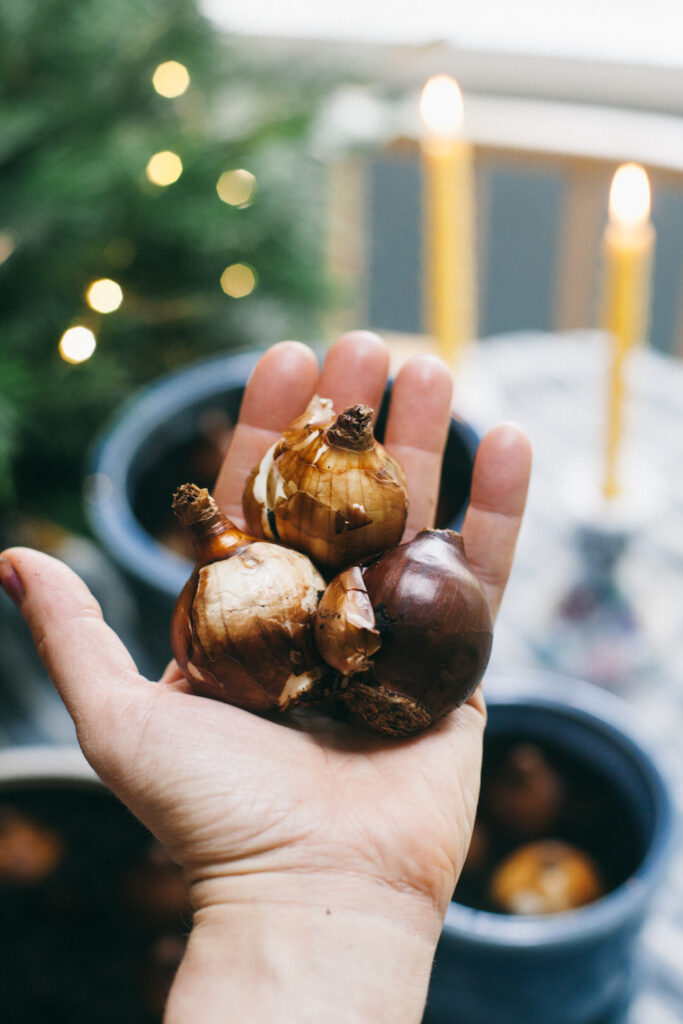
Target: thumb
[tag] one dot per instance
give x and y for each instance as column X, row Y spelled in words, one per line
column 90, row 667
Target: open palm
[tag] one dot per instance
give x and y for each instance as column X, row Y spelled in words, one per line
column 233, row 795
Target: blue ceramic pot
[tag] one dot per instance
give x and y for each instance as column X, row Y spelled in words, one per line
column 581, row 966
column 137, row 465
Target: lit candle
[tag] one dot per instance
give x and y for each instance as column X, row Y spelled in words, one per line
column 628, row 244
column 450, row 287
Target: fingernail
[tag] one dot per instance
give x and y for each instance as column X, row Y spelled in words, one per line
column 9, row 579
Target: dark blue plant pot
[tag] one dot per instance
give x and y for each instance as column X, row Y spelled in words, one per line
column 137, row 465
column 578, row 967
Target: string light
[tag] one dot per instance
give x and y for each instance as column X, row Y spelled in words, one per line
column 171, row 79
column 6, row 245
column 77, row 344
column 236, row 187
column 238, row 280
column 164, row 168
column 104, row 296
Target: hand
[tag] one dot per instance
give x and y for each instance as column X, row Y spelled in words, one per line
column 295, row 836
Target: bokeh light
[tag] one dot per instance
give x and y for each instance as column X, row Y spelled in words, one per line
column 236, row 187
column 164, row 168
column 6, row 245
column 238, row 280
column 171, row 79
column 104, row 295
column 77, row 344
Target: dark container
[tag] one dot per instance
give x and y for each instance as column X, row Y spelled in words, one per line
column 80, row 940
column 579, row 967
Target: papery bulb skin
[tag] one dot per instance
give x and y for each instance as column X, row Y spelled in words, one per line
column 328, row 488
column 428, row 641
column 242, row 629
column 346, row 632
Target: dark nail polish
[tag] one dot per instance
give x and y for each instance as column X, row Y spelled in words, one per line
column 10, row 582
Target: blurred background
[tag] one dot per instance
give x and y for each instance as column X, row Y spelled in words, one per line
column 182, row 181
column 107, row 175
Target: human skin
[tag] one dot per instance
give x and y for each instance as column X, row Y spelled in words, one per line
column 320, row 858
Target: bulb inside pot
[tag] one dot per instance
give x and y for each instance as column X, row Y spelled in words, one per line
column 545, row 877
column 594, row 815
column 525, row 795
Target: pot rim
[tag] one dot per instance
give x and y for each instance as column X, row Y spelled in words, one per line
column 610, row 718
column 45, row 763
column 108, row 506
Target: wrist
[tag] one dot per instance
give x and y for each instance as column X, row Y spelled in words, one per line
column 343, row 950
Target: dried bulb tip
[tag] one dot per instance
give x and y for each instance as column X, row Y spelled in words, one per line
column 353, row 429
column 192, row 504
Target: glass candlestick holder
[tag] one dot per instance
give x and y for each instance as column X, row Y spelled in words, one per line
column 598, row 629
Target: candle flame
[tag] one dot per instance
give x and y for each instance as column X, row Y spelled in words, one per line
column 441, row 107
column 629, row 196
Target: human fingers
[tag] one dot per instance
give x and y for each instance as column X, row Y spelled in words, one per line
column 416, row 433
column 173, row 678
column 500, row 482
column 355, row 370
column 282, row 383
column 90, row 667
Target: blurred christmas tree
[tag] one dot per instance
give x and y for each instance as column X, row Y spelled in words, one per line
column 81, row 199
